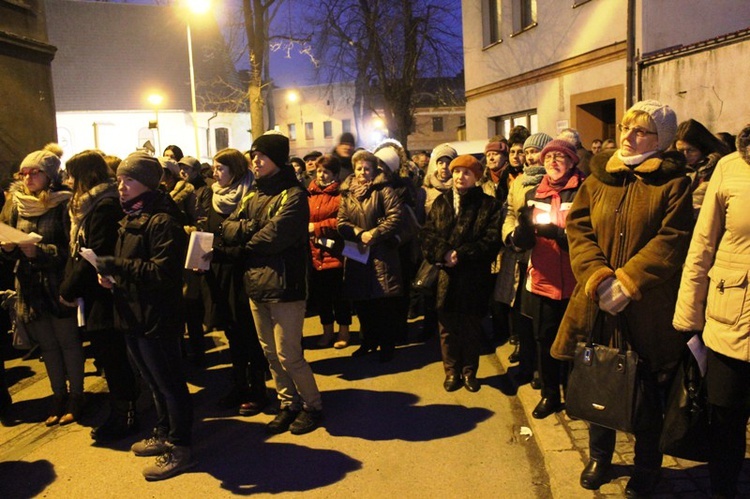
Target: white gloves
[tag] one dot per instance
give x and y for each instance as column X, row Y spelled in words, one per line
column 612, row 296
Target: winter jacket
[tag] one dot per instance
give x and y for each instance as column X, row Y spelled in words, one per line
column 149, row 259
column 379, row 210
column 275, row 250
column 549, row 273
column 475, row 236
column 700, row 178
column 324, row 208
column 632, row 223
column 713, row 294
column 100, row 214
column 38, row 279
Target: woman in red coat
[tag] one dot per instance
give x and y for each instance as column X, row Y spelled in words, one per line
column 325, row 246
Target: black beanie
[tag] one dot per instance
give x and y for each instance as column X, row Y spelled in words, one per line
column 143, row 168
column 274, row 145
column 347, row 138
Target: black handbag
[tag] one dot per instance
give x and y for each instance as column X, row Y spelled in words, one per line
column 686, row 422
column 608, row 384
column 426, row 277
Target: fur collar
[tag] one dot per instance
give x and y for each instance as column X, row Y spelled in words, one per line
column 609, row 169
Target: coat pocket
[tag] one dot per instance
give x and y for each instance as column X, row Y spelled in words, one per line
column 727, row 293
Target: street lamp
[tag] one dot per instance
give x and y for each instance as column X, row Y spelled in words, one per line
column 197, row 7
column 156, row 100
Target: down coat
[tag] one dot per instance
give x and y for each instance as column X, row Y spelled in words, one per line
column 632, row 223
column 475, row 235
column 377, row 209
column 324, row 208
column 713, row 293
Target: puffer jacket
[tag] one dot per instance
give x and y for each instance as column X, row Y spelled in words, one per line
column 324, row 209
column 549, row 273
column 632, row 223
column 275, row 247
column 378, row 210
column 149, row 259
column 714, row 289
column 475, row 236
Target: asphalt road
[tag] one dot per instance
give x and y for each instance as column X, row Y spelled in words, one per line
column 389, row 430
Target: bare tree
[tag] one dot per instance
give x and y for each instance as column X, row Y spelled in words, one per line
column 388, row 47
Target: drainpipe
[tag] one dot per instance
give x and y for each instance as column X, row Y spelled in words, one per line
column 630, row 70
column 208, row 133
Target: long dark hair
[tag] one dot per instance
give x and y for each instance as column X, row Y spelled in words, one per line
column 88, row 169
column 234, row 160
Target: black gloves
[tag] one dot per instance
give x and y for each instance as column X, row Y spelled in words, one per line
column 524, row 216
column 550, row 231
column 108, row 265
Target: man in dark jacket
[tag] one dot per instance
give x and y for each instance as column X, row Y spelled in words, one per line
column 145, row 276
column 271, row 225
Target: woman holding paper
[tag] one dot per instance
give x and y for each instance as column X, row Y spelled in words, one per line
column 230, row 307
column 95, row 215
column 39, row 204
column 368, row 219
column 713, row 298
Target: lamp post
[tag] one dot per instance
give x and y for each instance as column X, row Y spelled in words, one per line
column 197, row 7
column 156, row 100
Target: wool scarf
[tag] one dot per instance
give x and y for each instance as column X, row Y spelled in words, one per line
column 30, row 205
column 226, row 199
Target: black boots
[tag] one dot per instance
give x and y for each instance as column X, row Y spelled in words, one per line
column 122, row 422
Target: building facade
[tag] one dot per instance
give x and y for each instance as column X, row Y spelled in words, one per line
column 548, row 64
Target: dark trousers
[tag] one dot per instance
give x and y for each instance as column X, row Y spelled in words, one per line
column 159, row 361
column 460, row 342
column 111, row 353
column 378, row 322
column 548, row 314
column 325, row 292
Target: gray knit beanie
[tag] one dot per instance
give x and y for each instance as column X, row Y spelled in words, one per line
column 444, row 150
column 538, row 140
column 664, row 118
column 143, row 168
column 44, row 161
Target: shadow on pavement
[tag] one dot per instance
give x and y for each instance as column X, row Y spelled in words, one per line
column 28, row 479
column 253, row 465
column 18, row 373
column 407, row 358
column 376, row 416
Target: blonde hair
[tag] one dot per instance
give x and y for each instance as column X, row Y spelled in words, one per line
column 638, row 117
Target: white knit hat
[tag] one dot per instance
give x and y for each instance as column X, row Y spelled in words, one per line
column 390, row 157
column 444, row 150
column 664, row 118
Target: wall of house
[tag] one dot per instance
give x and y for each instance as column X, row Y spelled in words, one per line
column 120, row 133
column 425, row 138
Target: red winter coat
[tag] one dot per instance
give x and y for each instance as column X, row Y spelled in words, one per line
column 324, row 206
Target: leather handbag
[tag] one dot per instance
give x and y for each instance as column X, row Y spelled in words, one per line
column 686, row 422
column 608, row 385
column 426, row 277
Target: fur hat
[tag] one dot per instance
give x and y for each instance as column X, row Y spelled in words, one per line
column 560, row 145
column 499, row 147
column 663, row 117
column 390, row 157
column 45, row 161
column 171, row 165
column 444, row 151
column 467, row 161
column 141, row 167
column 274, row 145
column 538, row 140
column 347, row 138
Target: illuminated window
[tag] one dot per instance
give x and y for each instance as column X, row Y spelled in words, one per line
column 221, row 136
column 437, row 124
column 491, row 21
column 502, row 125
column 346, row 126
column 524, row 15
column 292, row 128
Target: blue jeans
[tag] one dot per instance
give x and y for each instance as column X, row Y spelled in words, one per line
column 159, row 361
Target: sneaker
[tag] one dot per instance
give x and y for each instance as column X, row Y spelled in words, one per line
column 306, row 421
column 152, row 446
column 282, row 421
column 175, row 460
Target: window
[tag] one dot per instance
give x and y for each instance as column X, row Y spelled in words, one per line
column 437, row 124
column 292, row 128
column 327, row 130
column 491, row 22
column 221, row 138
column 346, row 126
column 309, row 135
column 524, row 15
column 502, row 125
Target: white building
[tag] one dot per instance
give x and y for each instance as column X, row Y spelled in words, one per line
column 550, row 64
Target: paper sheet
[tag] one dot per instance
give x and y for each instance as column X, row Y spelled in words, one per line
column 10, row 234
column 699, row 350
column 353, row 251
column 200, row 244
column 90, row 256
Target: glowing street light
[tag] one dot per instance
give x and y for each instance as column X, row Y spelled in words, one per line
column 197, row 7
column 156, row 101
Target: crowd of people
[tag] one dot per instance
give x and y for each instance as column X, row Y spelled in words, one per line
column 536, row 242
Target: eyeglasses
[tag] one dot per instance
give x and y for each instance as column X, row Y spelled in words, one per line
column 557, row 156
column 30, row 173
column 639, row 131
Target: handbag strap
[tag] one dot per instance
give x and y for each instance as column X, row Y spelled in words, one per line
column 620, row 333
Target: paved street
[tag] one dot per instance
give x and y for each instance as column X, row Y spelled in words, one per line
column 389, row 430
